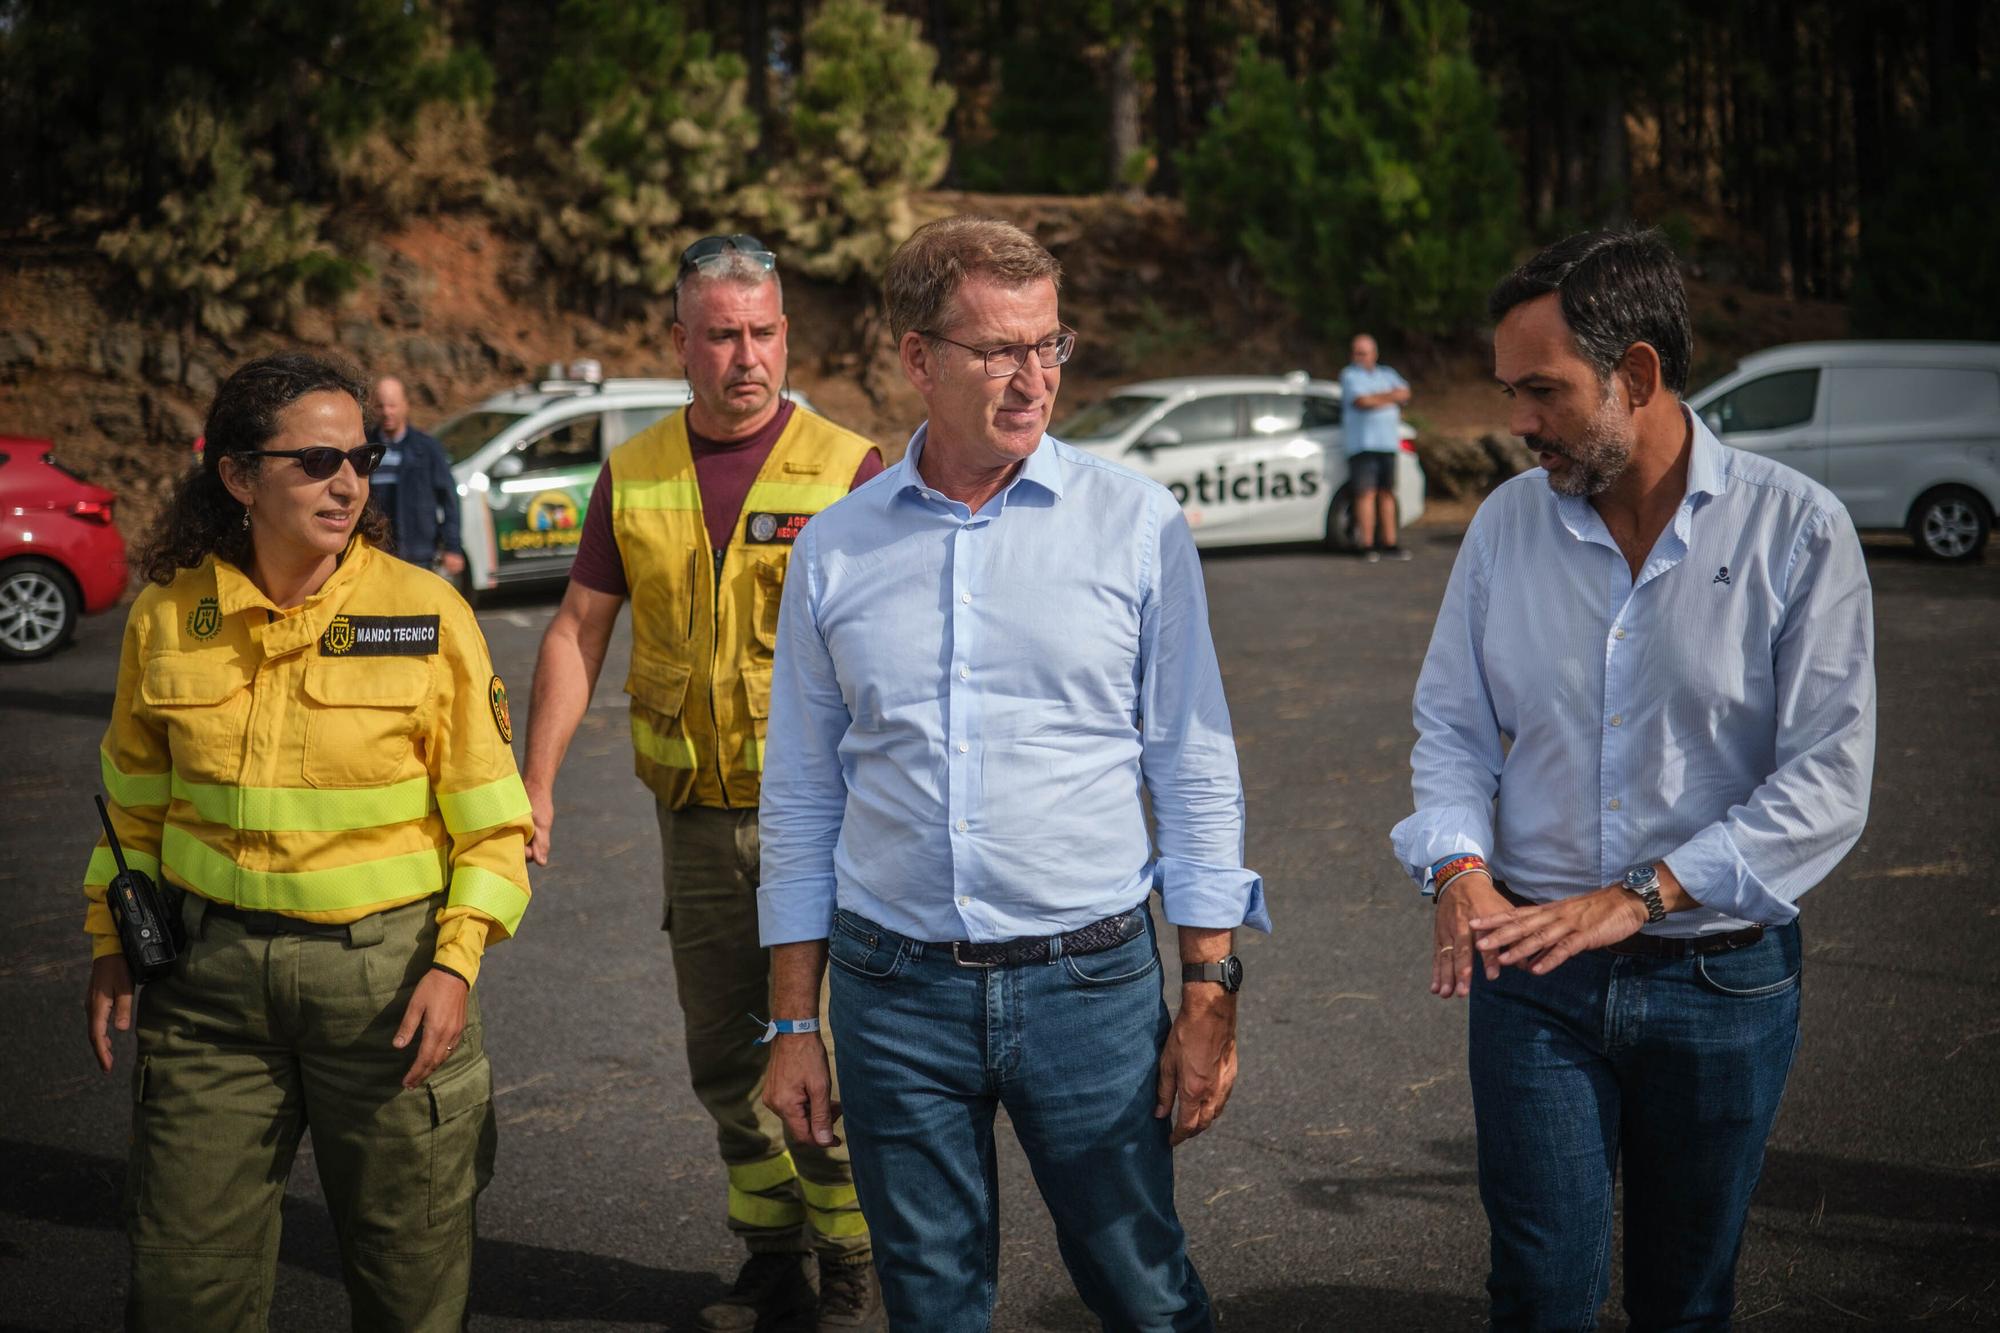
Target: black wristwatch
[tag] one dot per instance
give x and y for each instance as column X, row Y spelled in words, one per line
column 1228, row 973
column 1644, row 881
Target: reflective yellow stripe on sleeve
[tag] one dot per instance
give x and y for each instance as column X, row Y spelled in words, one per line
column 131, row 790
column 680, row 493
column 306, row 809
column 104, row 868
column 754, row 1210
column 753, row 755
column 666, row 751
column 489, row 806
column 790, row 497
column 496, row 895
column 337, row 889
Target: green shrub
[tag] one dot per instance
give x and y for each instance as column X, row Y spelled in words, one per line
column 1375, row 193
column 866, row 121
column 228, row 246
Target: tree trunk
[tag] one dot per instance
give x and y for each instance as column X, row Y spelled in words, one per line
column 1613, row 158
column 1202, row 74
column 1122, row 137
column 756, row 17
column 1287, row 38
column 1166, row 100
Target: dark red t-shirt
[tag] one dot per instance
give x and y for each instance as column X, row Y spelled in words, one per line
column 723, row 469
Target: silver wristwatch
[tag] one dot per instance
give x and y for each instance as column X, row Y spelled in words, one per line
column 1644, row 881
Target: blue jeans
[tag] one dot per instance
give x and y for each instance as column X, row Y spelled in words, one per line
column 1675, row 1067
column 928, row 1050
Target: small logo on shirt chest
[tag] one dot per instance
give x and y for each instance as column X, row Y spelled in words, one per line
column 1721, row 575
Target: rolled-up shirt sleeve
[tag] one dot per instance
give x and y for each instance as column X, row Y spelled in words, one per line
column 1188, row 754
column 804, row 792
column 1756, row 861
column 1455, row 767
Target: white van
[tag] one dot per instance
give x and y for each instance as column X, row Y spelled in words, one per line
column 1906, row 434
column 526, row 461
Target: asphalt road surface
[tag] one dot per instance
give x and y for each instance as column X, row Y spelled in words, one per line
column 1337, row 1191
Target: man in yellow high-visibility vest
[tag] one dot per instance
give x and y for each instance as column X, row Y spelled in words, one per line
column 693, row 520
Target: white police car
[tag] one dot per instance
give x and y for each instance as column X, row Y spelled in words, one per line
column 526, row 461
column 1252, row 459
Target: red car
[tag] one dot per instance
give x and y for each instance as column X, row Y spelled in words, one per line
column 60, row 555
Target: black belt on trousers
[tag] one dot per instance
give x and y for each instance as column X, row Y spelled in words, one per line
column 1093, row 938
column 274, row 923
column 1661, row 946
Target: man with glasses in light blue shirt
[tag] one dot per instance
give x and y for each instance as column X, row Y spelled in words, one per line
column 1646, row 728
column 1371, row 433
column 985, row 655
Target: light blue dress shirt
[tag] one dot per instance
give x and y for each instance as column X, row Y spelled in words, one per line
column 1370, row 429
column 1717, row 713
column 965, row 709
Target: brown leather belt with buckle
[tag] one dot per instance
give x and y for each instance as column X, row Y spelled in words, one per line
column 1661, row 946
column 1096, row 937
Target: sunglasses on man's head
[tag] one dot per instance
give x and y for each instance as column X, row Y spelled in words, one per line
column 711, row 253
column 322, row 461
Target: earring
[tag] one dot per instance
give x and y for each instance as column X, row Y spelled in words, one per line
column 246, row 519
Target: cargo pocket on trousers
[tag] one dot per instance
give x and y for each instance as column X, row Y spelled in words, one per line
column 135, row 1160
column 462, row 1136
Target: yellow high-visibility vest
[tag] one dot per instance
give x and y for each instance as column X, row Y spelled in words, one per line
column 326, row 761
column 703, row 636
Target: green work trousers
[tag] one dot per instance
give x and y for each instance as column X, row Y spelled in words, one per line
column 252, row 1040
column 709, row 867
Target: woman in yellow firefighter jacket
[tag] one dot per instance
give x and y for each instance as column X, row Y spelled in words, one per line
column 309, row 739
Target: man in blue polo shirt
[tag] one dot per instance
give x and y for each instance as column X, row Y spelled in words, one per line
column 1371, row 397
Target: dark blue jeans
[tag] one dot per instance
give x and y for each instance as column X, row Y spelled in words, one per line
column 1672, row 1069
column 928, row 1050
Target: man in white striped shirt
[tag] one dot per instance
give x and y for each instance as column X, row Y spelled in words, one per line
column 1646, row 727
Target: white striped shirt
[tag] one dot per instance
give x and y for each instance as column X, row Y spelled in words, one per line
column 1717, row 712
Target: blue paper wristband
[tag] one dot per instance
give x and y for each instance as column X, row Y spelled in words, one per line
column 782, row 1026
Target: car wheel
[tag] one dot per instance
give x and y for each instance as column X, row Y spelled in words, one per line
column 1340, row 521
column 39, row 607
column 1951, row 523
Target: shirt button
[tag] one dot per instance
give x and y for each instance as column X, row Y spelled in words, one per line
column 963, row 826
column 965, row 597
column 1617, row 719
column 1619, row 635
column 965, row 673
column 965, row 902
column 1614, row 803
column 963, row 747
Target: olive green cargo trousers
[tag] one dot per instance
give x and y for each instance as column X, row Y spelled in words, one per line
column 251, row 1041
column 723, row 975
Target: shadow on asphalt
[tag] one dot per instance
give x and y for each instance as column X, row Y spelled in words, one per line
column 93, row 704
column 510, row 1280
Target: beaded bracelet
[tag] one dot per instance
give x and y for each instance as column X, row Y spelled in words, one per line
column 1449, row 869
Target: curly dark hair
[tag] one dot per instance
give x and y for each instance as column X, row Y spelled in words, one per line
column 204, row 519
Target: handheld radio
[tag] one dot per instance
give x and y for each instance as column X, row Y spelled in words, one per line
column 147, row 931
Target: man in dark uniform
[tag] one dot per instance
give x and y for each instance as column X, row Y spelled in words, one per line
column 413, row 486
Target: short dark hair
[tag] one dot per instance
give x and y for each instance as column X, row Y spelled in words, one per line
column 1616, row 288
column 203, row 518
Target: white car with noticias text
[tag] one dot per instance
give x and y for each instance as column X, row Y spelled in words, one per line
column 1253, row 459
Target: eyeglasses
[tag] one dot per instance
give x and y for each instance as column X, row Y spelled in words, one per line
column 323, row 461
column 1003, row 362
column 711, row 253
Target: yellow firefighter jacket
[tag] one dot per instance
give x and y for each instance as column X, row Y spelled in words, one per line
column 703, row 629
column 330, row 761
